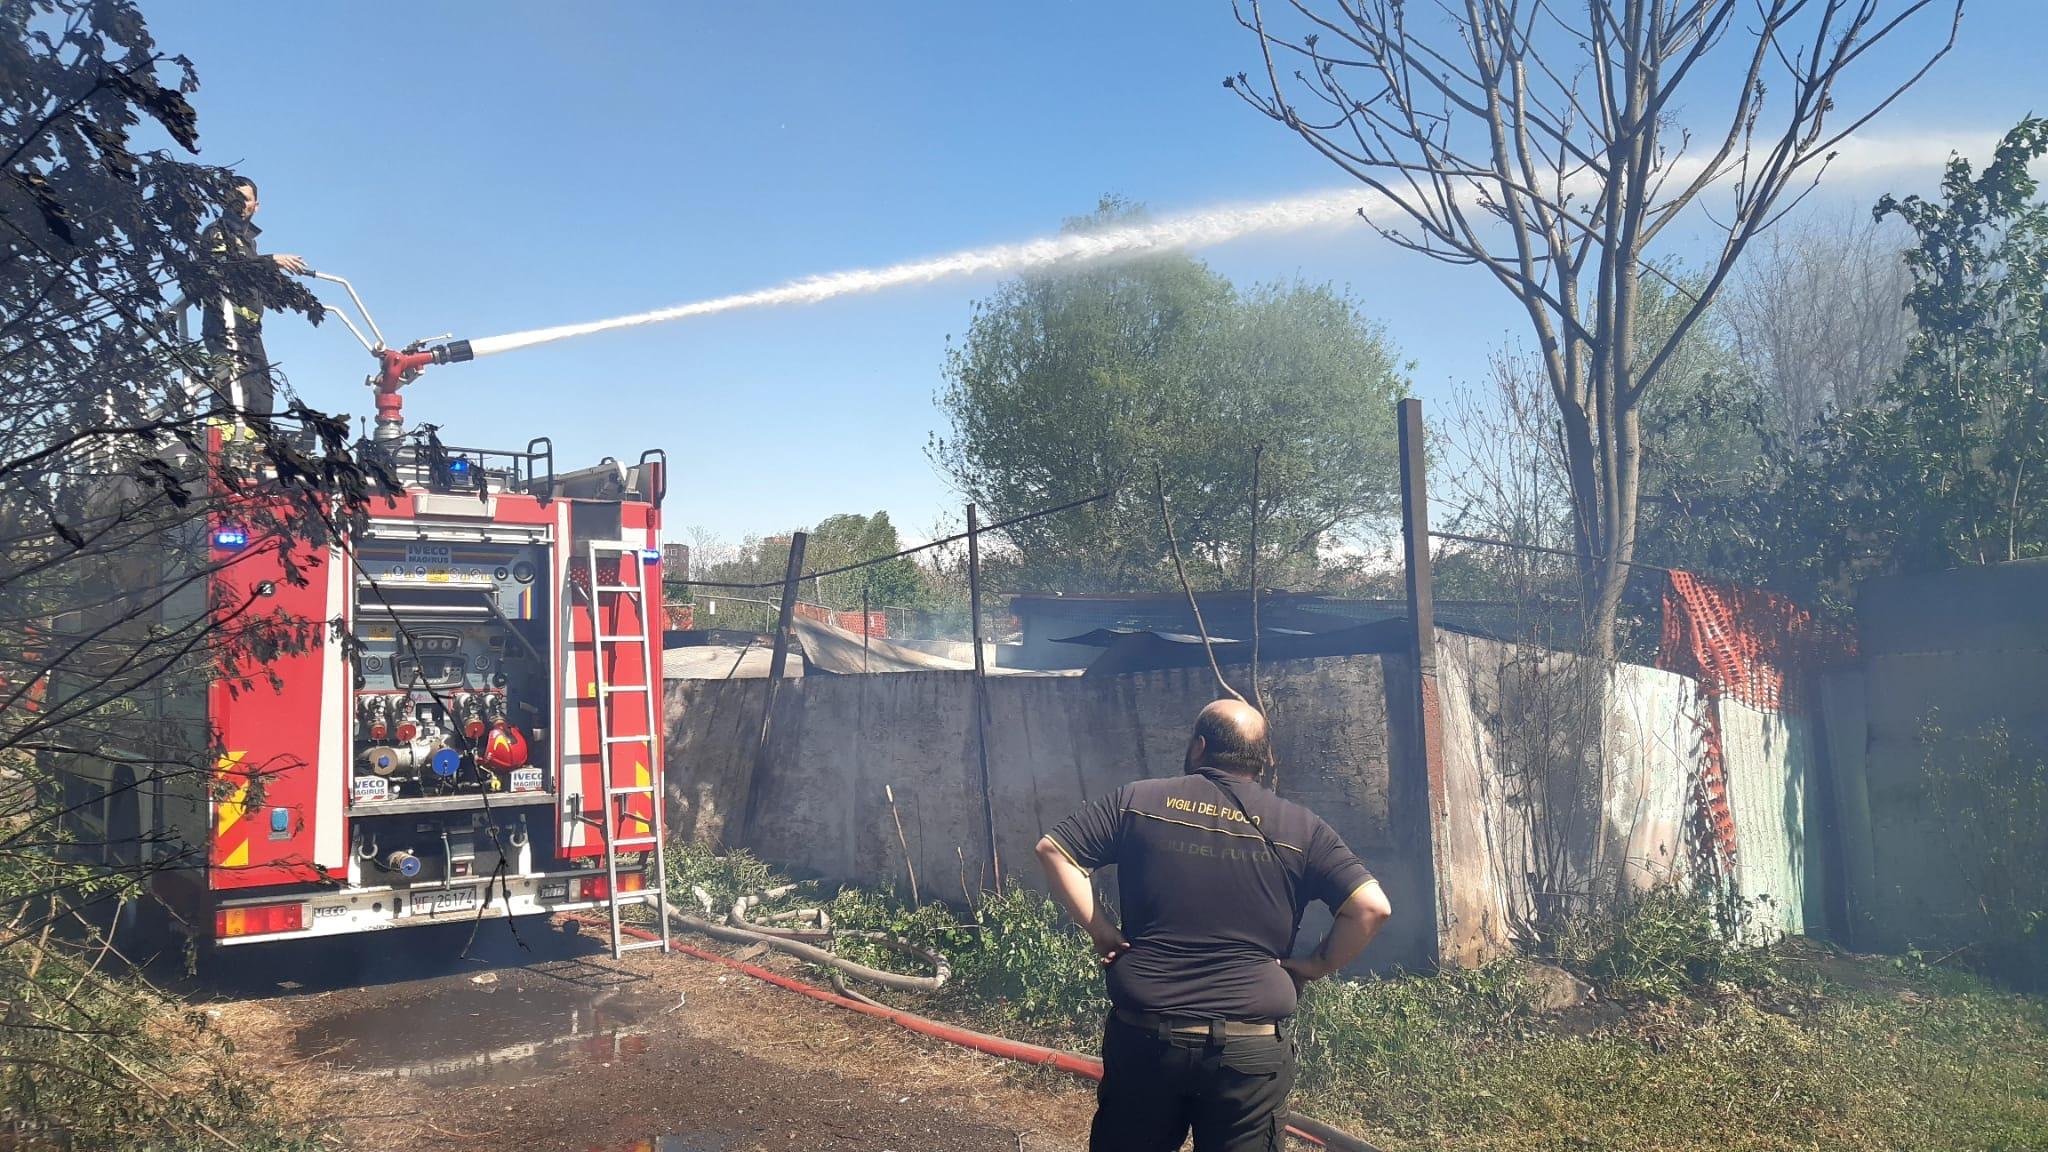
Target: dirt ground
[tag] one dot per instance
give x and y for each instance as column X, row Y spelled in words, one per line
column 397, row 1042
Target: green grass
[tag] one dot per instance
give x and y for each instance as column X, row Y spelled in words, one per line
column 1690, row 1044
column 1935, row 1061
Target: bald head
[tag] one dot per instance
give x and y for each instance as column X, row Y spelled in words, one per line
column 1231, row 735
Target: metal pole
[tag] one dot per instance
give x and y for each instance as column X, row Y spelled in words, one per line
column 1251, row 578
column 791, row 578
column 1427, row 716
column 988, row 810
column 778, row 660
column 1415, row 540
column 866, row 628
column 974, row 583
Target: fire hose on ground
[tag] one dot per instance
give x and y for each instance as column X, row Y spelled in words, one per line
column 740, row 930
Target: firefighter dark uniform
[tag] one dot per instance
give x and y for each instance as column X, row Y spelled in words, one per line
column 232, row 325
column 1201, row 1034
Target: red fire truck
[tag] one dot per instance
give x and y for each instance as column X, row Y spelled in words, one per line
column 477, row 735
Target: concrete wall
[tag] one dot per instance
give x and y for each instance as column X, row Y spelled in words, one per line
column 1846, row 723
column 1346, row 746
column 1963, row 650
column 819, row 806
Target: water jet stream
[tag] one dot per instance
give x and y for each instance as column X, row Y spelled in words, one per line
column 1181, row 231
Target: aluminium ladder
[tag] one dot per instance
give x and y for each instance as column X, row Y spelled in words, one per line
column 605, row 602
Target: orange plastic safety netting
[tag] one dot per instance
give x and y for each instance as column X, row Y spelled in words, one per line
column 1714, row 843
column 1744, row 643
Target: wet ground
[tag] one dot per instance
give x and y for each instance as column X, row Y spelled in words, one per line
column 493, row 1027
column 554, row 1046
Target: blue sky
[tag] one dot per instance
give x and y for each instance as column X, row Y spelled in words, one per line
column 484, row 168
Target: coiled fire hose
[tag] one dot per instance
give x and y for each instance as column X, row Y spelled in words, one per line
column 741, row 930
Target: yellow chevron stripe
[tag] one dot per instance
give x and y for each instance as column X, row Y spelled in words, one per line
column 642, row 778
column 235, row 805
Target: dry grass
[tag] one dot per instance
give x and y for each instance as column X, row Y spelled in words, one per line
column 1884, row 1060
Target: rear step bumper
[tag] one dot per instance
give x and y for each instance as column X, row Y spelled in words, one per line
column 352, row 911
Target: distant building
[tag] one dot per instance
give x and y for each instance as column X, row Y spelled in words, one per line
column 675, row 561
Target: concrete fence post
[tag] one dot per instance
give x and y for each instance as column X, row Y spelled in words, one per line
column 1426, row 773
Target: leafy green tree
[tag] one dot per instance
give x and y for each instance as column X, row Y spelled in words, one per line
column 1706, row 432
column 1951, row 468
column 1945, row 467
column 836, row 541
column 1068, row 385
column 851, row 538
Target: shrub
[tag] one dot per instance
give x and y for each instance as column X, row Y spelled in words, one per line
column 725, row 877
column 1015, row 956
column 1030, row 959
column 92, row 1056
column 1664, row 944
column 1016, row 953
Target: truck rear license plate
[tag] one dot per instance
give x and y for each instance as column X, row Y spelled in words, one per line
column 555, row 890
column 449, row 900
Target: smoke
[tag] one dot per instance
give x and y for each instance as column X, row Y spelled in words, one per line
column 1188, row 230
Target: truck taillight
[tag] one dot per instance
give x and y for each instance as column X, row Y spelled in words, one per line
column 599, row 888
column 258, row 920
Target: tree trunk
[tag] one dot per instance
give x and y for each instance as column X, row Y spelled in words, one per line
column 1603, row 451
column 1585, row 489
column 1618, row 541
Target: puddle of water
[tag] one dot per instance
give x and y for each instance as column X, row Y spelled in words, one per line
column 464, row 1033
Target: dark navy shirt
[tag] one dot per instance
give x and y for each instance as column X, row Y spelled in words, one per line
column 1206, row 906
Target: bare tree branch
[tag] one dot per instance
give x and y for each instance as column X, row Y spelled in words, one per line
column 1476, row 135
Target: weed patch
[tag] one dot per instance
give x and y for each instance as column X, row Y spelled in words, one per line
column 1455, row 1061
column 1694, row 1044
column 1015, row 956
column 723, row 877
column 90, row 1059
column 1665, row 944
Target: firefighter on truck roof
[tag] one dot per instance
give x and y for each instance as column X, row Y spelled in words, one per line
column 1213, row 874
column 233, row 322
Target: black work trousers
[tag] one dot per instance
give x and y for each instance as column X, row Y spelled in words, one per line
column 241, row 359
column 1233, row 1093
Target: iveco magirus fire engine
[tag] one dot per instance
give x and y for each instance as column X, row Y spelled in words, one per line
column 478, row 736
